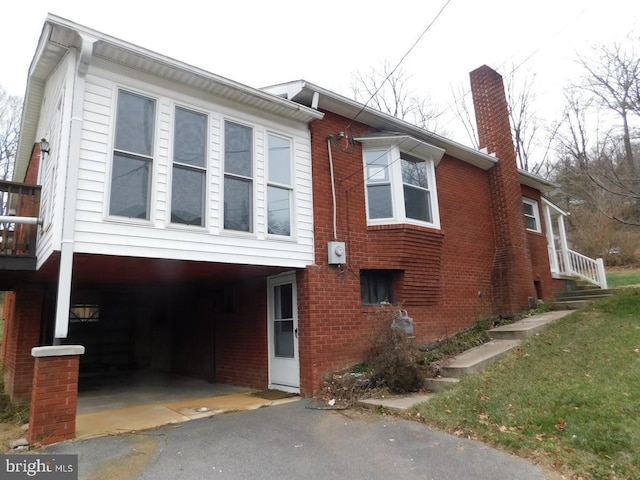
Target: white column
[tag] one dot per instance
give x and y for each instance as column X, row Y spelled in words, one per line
column 551, row 244
column 564, row 248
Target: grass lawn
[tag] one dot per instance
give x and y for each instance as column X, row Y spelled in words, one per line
column 622, row 278
column 569, row 397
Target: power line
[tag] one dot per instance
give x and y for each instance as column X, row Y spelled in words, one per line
column 446, row 4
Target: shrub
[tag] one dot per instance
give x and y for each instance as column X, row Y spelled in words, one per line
column 395, row 362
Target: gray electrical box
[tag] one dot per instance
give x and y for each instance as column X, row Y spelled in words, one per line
column 402, row 322
column 337, row 253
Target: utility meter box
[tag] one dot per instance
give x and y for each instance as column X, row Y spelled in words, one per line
column 337, row 253
column 402, row 322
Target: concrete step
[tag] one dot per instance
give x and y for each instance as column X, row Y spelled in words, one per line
column 527, row 327
column 439, row 384
column 572, row 304
column 478, row 358
column 591, row 292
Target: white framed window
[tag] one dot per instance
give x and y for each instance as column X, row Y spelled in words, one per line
column 132, row 156
column 238, row 177
column 400, row 181
column 189, row 167
column 531, row 215
column 279, row 185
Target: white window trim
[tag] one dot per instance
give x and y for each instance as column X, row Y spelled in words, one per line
column 207, row 170
column 291, row 187
column 253, row 232
column 153, row 159
column 397, row 192
column 535, row 216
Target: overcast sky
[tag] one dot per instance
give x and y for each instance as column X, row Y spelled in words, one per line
column 261, row 43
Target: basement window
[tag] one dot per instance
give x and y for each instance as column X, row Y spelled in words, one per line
column 376, row 287
column 84, row 314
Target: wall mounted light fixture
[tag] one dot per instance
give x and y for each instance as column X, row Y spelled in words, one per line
column 44, row 146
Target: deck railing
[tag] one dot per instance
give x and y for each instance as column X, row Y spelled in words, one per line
column 19, row 218
column 575, row 264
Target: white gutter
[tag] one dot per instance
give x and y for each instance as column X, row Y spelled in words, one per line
column 63, row 303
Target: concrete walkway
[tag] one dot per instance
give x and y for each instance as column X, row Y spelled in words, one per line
column 151, row 415
column 504, row 339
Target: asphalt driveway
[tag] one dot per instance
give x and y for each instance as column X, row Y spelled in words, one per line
column 293, row 441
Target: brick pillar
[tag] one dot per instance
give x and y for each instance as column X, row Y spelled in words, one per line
column 512, row 275
column 54, row 396
column 23, row 315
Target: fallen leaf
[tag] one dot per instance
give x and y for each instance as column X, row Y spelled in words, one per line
column 561, row 425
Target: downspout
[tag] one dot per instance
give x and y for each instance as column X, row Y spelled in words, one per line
column 63, row 302
column 333, row 190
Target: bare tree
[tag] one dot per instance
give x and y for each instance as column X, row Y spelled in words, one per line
column 599, row 137
column 463, row 107
column 390, row 92
column 525, row 123
column 612, row 79
column 10, row 115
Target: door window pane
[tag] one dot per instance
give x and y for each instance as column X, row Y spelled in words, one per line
column 129, row 186
column 283, row 333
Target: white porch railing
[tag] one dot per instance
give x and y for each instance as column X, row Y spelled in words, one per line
column 575, row 264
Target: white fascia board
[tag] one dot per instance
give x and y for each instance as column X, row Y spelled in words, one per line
column 407, row 144
column 554, row 207
column 165, row 61
column 302, row 91
column 534, row 181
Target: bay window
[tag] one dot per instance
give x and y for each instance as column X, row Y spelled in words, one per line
column 400, row 180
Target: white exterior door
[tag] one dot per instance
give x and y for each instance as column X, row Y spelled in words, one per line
column 284, row 365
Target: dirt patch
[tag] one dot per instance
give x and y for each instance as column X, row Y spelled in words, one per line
column 272, row 394
column 10, row 432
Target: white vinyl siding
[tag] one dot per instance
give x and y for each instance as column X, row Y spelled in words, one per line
column 98, row 232
column 54, row 119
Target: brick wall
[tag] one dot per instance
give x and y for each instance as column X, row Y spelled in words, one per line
column 54, row 399
column 445, row 283
column 31, row 176
column 23, row 312
column 241, row 354
column 539, row 253
column 512, row 273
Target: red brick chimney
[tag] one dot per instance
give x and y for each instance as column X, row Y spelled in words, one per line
column 512, row 275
